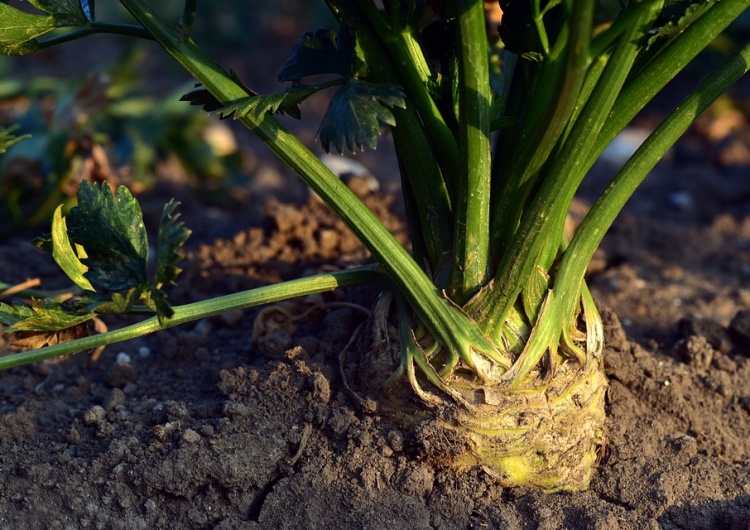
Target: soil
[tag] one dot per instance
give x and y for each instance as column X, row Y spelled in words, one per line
column 220, row 424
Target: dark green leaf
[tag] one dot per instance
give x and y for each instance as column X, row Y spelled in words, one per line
column 18, row 28
column 676, row 16
column 203, row 98
column 322, row 52
column 160, row 305
column 286, row 102
column 65, row 255
column 172, row 236
column 111, row 231
column 45, row 315
column 66, row 12
column 355, row 113
column 9, row 315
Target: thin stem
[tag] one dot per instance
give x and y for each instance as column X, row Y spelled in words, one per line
column 198, row 310
column 471, row 236
column 131, row 30
column 541, row 31
column 420, row 169
column 188, row 15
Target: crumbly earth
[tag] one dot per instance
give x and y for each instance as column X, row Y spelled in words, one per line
column 213, row 426
column 223, row 424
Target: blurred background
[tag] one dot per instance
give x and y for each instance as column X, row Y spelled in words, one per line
column 106, row 108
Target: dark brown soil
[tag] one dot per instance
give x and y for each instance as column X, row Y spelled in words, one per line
column 200, row 427
column 204, row 427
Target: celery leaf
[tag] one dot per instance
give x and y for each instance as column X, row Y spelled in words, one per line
column 172, row 236
column 20, row 29
column 110, row 229
column 676, row 16
column 355, row 113
column 65, row 12
column 64, row 253
column 44, row 315
column 285, row 102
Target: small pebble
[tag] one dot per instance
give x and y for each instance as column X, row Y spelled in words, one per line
column 190, row 436
column 176, row 410
column 122, row 374
column 204, row 328
column 321, row 389
column 115, row 398
column 73, row 437
column 123, row 358
column 94, row 415
column 396, row 440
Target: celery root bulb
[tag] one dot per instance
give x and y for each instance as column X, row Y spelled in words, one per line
column 547, row 434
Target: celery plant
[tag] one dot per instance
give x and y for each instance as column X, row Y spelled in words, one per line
column 493, row 310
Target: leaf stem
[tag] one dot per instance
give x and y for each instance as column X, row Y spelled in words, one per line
column 569, row 285
column 204, row 309
column 131, row 30
column 555, row 91
column 472, row 235
column 524, row 249
column 188, row 15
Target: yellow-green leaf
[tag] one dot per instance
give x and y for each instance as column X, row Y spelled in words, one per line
column 64, row 253
column 18, row 28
